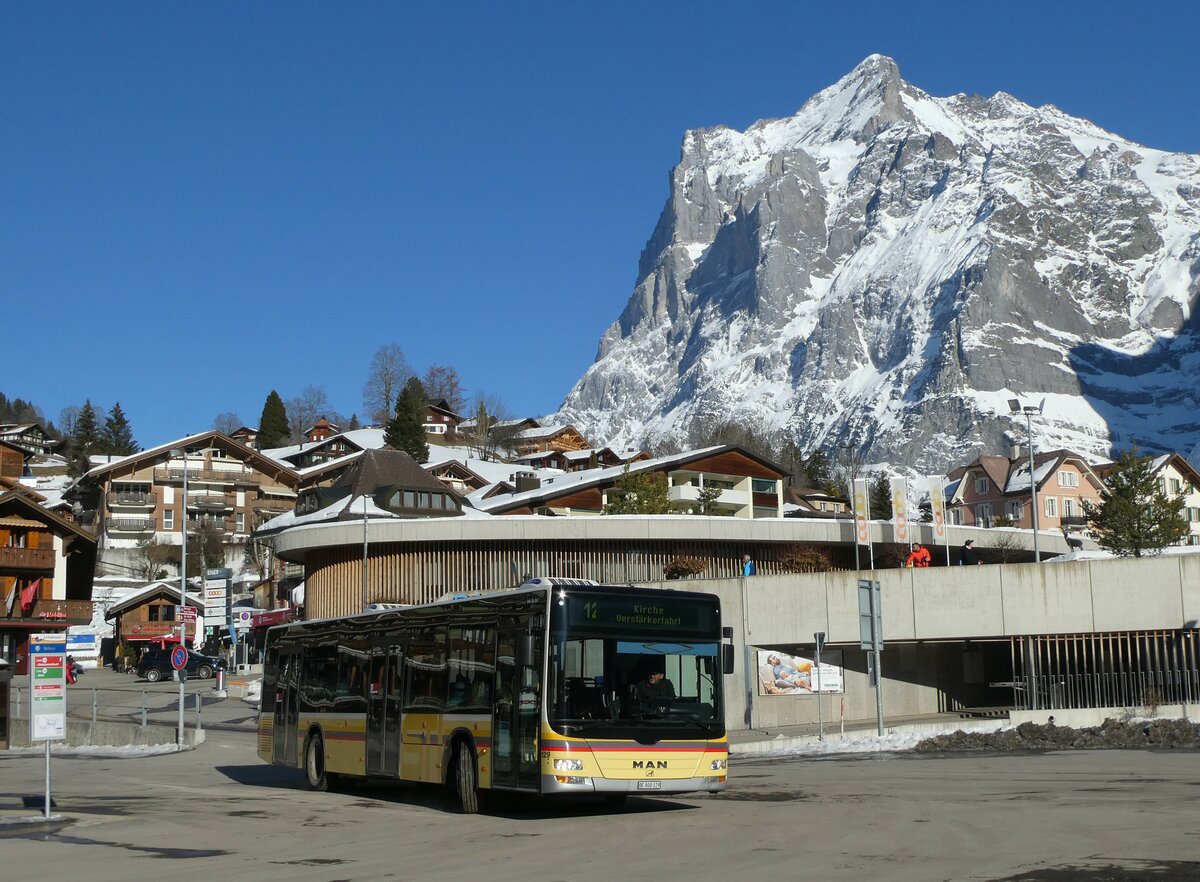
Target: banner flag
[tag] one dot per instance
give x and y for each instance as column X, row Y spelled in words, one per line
column 29, row 595
column 937, row 498
column 862, row 512
column 900, row 509
column 8, row 601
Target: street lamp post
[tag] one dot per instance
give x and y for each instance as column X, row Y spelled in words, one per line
column 182, row 588
column 1029, row 410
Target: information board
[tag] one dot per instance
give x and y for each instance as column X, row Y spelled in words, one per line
column 47, row 687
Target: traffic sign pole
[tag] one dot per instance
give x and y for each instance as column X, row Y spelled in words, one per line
column 819, row 639
column 179, row 660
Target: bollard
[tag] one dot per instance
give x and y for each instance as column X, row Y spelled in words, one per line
column 219, row 684
column 143, row 708
column 93, row 705
column 199, row 707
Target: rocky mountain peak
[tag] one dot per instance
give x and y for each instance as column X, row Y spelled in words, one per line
column 886, row 269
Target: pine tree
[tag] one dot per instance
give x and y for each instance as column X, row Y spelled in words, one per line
column 273, row 428
column 86, row 438
column 706, row 501
column 117, row 436
column 639, row 493
column 881, row 498
column 406, row 430
column 1135, row 516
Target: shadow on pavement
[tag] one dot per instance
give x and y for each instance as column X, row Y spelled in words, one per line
column 382, row 793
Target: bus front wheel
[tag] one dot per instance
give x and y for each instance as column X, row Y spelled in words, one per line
column 314, row 763
column 467, row 780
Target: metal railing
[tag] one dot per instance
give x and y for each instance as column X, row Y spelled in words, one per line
column 129, row 525
column 1128, row 670
column 132, row 499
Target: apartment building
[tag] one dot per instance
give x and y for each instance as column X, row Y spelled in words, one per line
column 995, row 487
column 230, row 489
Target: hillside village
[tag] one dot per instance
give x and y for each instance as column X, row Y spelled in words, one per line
column 124, row 517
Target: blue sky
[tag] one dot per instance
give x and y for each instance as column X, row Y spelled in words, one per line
column 203, row 202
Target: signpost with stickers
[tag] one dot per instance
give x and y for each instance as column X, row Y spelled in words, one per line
column 47, row 694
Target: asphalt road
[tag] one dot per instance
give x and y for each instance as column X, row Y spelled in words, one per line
column 219, row 811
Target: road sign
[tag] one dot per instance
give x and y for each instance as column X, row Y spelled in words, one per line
column 870, row 618
column 185, row 613
column 179, row 658
column 48, row 687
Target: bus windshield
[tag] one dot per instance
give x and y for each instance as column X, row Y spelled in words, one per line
column 654, row 672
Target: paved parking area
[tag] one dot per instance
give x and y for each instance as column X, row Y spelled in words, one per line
column 218, row 810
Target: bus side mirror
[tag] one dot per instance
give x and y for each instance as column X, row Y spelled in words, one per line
column 727, row 657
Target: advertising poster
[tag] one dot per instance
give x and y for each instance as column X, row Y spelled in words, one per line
column 783, row 674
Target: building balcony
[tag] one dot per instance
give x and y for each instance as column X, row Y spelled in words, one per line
column 689, row 493
column 272, row 507
column 210, row 503
column 26, row 559
column 174, row 475
column 130, row 500
column 59, row 612
column 129, row 525
column 1078, row 521
column 220, row 525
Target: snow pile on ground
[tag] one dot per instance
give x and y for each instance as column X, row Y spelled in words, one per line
column 1110, row 735
column 99, row 750
column 253, row 692
column 862, row 741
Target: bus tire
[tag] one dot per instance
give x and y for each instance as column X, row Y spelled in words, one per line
column 314, row 763
column 467, row 780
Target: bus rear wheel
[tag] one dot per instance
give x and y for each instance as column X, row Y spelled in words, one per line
column 467, row 780
column 314, row 763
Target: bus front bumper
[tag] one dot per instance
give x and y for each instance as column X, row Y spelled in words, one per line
column 583, row 786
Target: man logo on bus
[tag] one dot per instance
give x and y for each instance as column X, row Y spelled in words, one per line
column 649, row 764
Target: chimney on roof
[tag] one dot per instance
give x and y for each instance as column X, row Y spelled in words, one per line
column 1014, row 452
column 527, row 481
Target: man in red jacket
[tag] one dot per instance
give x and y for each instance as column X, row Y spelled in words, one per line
column 918, row 557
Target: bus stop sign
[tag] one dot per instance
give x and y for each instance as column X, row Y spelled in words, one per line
column 179, row 658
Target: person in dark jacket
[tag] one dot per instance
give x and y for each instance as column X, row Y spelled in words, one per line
column 970, row 557
column 655, row 690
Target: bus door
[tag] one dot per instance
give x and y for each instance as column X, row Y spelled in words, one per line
column 518, row 709
column 383, row 711
column 286, row 708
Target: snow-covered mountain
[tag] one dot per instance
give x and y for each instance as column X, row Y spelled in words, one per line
column 887, row 269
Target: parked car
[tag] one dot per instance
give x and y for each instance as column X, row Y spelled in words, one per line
column 155, row 664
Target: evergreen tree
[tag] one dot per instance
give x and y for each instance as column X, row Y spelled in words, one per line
column 406, row 430
column 706, row 501
column 1135, row 516
column 354, row 424
column 117, row 437
column 86, row 438
column 881, row 498
column 641, row 492
column 273, row 428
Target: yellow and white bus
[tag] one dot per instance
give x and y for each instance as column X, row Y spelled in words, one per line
column 533, row 690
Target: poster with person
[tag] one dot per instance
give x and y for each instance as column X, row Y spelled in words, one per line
column 782, row 674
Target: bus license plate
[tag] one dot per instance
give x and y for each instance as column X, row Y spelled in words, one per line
column 649, row 785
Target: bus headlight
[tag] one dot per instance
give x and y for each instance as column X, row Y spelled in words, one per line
column 568, row 765
column 719, row 765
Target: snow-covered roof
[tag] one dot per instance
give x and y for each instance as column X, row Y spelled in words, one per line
column 571, row 480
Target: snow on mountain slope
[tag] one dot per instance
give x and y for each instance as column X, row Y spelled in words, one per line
column 886, row 269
